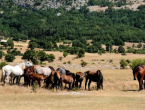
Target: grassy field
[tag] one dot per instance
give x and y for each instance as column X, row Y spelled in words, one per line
column 119, row 93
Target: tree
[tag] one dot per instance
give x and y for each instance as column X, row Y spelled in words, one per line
column 50, row 58
column 32, row 45
column 42, row 56
column 9, row 57
column 139, row 45
column 121, row 49
column 123, row 63
column 10, row 43
column 5, row 44
column 29, row 54
column 65, row 54
column 81, row 53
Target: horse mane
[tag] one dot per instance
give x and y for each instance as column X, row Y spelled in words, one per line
column 135, row 69
column 22, row 65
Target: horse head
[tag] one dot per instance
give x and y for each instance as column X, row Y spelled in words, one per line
column 86, row 73
column 28, row 64
column 135, row 72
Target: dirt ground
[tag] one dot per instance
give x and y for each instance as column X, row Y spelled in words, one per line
column 120, row 90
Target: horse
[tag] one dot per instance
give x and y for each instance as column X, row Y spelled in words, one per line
column 63, row 71
column 36, row 77
column 54, row 79
column 79, row 79
column 95, row 77
column 42, row 70
column 14, row 71
column 67, row 80
column 139, row 73
column 52, row 69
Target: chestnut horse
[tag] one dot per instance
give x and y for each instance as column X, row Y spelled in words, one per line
column 67, row 80
column 95, row 77
column 139, row 73
column 79, row 78
column 35, row 77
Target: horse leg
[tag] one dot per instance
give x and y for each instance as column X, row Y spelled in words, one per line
column 19, row 77
column 80, row 84
column 86, row 83
column 6, row 77
column 89, row 85
column 140, row 84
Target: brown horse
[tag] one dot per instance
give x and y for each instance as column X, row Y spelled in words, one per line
column 35, row 77
column 67, row 80
column 139, row 73
column 79, row 78
column 54, row 79
column 95, row 77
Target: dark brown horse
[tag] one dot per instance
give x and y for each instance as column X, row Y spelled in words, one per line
column 79, row 78
column 95, row 77
column 54, row 79
column 67, row 80
column 139, row 73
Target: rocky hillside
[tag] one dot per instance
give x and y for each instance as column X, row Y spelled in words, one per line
column 43, row 4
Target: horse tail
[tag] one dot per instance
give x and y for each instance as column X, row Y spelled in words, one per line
column 3, row 74
column 56, row 76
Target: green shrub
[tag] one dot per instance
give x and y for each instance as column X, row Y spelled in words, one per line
column 83, row 63
column 69, row 62
column 9, row 57
column 128, row 61
column 2, row 64
column 137, row 62
column 64, row 62
column 102, row 60
column 123, row 63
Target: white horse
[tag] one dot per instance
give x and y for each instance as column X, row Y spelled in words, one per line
column 14, row 71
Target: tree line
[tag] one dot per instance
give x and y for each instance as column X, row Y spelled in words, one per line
column 112, row 27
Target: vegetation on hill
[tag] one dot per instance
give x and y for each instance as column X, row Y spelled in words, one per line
column 112, row 27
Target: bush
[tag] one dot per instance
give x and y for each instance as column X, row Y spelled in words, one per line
column 121, row 49
column 124, row 53
column 65, row 54
column 137, row 62
column 128, row 61
column 50, row 58
column 83, row 63
column 139, row 45
column 60, row 58
column 64, row 62
column 123, row 63
column 81, row 53
column 9, row 57
column 2, row 64
column 69, row 62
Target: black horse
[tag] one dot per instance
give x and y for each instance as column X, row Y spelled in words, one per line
column 95, row 77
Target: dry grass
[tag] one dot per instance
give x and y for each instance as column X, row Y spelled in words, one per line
column 120, row 90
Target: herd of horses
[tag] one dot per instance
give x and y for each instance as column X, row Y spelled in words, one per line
column 48, row 75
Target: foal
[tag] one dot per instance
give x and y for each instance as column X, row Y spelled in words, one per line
column 79, row 78
column 35, row 77
column 67, row 80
